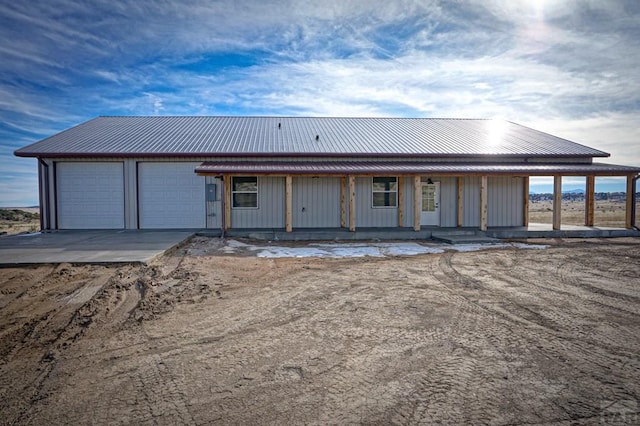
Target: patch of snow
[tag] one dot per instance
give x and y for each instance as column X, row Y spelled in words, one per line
column 373, row 249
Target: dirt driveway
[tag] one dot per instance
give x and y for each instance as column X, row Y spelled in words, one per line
column 503, row 336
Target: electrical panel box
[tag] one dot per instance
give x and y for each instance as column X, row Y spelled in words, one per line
column 212, row 192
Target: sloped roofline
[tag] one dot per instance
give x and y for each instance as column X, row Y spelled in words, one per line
column 286, row 136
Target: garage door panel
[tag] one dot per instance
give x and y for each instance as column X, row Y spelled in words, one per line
column 90, row 195
column 171, row 195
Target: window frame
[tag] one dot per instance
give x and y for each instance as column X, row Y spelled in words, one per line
column 234, row 192
column 374, row 191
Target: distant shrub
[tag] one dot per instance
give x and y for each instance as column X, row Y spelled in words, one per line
column 15, row 215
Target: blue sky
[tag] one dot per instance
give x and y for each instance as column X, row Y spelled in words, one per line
column 567, row 67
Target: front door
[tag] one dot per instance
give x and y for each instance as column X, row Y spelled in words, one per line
column 430, row 212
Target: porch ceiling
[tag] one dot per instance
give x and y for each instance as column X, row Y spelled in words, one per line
column 408, row 168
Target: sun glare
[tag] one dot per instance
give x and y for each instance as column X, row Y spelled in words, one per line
column 496, row 129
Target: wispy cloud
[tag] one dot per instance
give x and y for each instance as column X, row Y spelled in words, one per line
column 565, row 67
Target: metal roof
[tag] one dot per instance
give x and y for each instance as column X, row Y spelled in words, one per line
column 302, row 136
column 404, row 167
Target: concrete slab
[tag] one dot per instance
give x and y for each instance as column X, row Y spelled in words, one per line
column 106, row 246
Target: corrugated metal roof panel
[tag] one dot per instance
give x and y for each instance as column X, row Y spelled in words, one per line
column 279, row 136
column 404, row 167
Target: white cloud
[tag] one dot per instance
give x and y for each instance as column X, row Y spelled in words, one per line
column 568, row 68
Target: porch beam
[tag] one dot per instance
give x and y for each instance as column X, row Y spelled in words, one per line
column 417, row 202
column 460, row 214
column 343, row 202
column 400, row 201
column 628, row 222
column 227, row 202
column 557, row 202
column 590, row 201
column 525, row 211
column 288, row 204
column 352, row 203
column 483, row 203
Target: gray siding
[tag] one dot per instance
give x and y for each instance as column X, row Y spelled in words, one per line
column 366, row 215
column 505, row 201
column 316, row 202
column 214, row 208
column 408, row 202
column 270, row 211
column 448, row 200
column 471, row 201
column 130, row 194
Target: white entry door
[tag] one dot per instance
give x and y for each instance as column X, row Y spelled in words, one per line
column 430, row 212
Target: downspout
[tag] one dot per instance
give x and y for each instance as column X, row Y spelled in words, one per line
column 43, row 193
column 634, row 190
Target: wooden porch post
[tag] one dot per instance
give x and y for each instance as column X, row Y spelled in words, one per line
column 483, row 203
column 525, row 190
column 288, row 204
column 630, row 207
column 557, row 202
column 460, row 215
column 343, row 202
column 352, row 203
column 227, row 202
column 400, row 201
column 417, row 202
column 590, row 201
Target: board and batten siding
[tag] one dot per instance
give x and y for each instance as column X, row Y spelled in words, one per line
column 316, row 202
column 505, row 199
column 270, row 212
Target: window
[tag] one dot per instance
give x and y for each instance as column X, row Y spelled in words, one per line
column 244, row 192
column 385, row 192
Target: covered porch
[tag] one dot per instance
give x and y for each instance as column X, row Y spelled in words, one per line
column 410, row 197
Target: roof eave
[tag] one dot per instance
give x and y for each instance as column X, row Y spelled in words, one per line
column 36, row 154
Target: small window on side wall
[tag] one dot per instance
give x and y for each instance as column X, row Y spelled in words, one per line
column 244, row 192
column 385, row 191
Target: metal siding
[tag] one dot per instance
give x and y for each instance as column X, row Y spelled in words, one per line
column 131, row 194
column 171, row 195
column 448, row 200
column 471, row 201
column 408, row 201
column 320, row 199
column 214, row 208
column 366, row 215
column 270, row 211
column 90, row 195
column 505, row 201
column 172, row 135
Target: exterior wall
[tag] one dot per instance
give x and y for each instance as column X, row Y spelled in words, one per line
column 408, row 202
column 270, row 211
column 214, row 202
column 366, row 215
column 505, row 201
column 448, row 199
column 316, row 202
column 130, row 194
column 471, row 201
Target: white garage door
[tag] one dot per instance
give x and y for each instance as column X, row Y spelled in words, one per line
column 90, row 195
column 171, row 195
